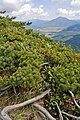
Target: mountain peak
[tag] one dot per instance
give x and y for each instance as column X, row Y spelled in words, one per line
column 62, row 18
column 57, row 22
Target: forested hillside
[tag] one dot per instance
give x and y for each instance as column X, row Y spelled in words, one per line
column 70, row 36
column 74, row 42
column 32, row 62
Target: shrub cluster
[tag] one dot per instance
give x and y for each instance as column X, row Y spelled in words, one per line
column 22, row 52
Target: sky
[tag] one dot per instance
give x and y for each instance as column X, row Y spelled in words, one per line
column 41, row 9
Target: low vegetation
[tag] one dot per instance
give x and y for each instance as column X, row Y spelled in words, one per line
column 33, row 62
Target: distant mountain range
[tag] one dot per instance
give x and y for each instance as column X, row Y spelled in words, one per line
column 74, row 42
column 67, row 33
column 71, row 36
column 75, row 27
column 36, row 23
column 60, row 29
column 58, row 22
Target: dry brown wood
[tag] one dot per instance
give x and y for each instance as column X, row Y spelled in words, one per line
column 9, row 108
column 44, row 111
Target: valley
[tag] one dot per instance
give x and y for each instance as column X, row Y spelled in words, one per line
column 60, row 29
column 49, row 31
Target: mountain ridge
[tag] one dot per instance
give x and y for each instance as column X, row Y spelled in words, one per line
column 57, row 22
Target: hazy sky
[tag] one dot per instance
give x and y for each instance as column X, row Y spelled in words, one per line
column 41, row 9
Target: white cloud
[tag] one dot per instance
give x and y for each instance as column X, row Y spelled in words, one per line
column 69, row 13
column 57, row 0
column 10, row 5
column 29, row 12
column 9, row 1
column 23, row 9
column 75, row 2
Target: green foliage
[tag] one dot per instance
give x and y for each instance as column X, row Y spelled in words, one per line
column 29, row 23
column 22, row 52
column 63, row 75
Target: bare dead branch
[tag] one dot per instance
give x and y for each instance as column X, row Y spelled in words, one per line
column 9, row 108
column 42, row 115
column 60, row 113
column 1, row 118
column 2, row 93
column 44, row 111
column 5, row 88
column 72, row 95
column 66, row 117
column 72, row 116
column 6, row 117
column 46, row 63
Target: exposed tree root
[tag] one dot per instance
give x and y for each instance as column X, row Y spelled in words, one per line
column 46, row 63
column 44, row 113
column 72, row 95
column 6, row 88
column 60, row 113
column 9, row 108
column 3, row 90
column 71, row 116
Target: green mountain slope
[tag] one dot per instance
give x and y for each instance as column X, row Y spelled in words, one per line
column 70, row 36
column 74, row 42
column 23, row 57
column 23, row 51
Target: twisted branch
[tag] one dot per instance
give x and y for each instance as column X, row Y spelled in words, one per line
column 66, row 117
column 2, row 91
column 44, row 111
column 42, row 115
column 4, row 115
column 72, row 95
column 46, row 63
column 9, row 108
column 5, row 88
column 60, row 113
column 72, row 116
